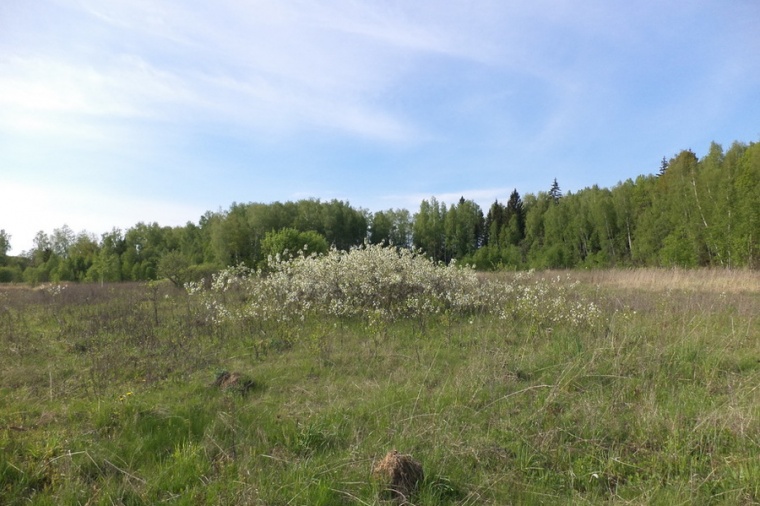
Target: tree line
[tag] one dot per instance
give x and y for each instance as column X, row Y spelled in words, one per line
column 691, row 213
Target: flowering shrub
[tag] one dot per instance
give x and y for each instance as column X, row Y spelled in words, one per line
column 379, row 285
column 393, row 283
column 55, row 289
column 545, row 304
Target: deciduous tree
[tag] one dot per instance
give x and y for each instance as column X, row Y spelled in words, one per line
column 5, row 246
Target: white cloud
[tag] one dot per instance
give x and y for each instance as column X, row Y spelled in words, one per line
column 322, row 64
column 47, row 100
column 443, row 92
column 267, row 66
column 288, row 66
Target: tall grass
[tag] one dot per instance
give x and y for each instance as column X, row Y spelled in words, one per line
column 107, row 396
column 652, row 279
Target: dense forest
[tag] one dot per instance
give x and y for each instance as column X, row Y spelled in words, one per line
column 692, row 213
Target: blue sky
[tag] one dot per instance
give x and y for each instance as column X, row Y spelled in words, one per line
column 119, row 111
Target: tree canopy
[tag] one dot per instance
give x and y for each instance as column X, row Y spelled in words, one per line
column 693, row 212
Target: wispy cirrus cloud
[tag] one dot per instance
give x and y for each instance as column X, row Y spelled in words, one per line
column 263, row 66
column 229, row 100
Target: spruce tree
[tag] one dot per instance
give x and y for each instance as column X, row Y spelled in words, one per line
column 554, row 192
column 663, row 166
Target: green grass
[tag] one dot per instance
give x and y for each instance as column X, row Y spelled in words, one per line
column 107, row 396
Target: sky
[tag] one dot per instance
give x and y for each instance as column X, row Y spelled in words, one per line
column 114, row 112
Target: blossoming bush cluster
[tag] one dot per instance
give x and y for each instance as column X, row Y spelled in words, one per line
column 392, row 282
column 376, row 283
column 549, row 303
column 55, row 289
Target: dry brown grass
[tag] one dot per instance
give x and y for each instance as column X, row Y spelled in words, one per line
column 234, row 381
column 651, row 279
column 400, row 475
column 744, row 281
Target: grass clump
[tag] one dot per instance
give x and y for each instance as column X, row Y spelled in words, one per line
column 399, row 476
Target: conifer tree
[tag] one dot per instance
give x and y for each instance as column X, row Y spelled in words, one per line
column 663, row 166
column 515, row 218
column 554, row 192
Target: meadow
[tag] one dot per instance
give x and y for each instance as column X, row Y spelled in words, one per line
column 285, row 388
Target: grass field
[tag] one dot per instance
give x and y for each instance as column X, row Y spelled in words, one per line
column 109, row 395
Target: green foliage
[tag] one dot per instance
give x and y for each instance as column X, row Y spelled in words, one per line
column 175, row 267
column 393, row 226
column 693, row 213
column 463, row 227
column 289, row 242
column 10, row 275
column 747, row 241
column 554, row 192
column 448, row 233
column 5, row 246
column 428, row 231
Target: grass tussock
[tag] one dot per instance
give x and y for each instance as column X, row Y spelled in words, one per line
column 114, row 395
column 399, row 476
